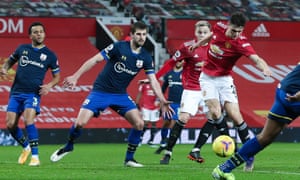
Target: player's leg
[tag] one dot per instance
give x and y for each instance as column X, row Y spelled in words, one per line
column 93, row 104
column 14, row 111
column 242, row 128
column 209, row 94
column 167, row 125
column 204, row 134
column 146, row 113
column 124, row 105
column 228, row 94
column 153, row 130
column 173, row 137
column 249, row 149
column 233, row 112
column 75, row 131
column 146, row 124
column 31, row 109
column 189, row 106
column 17, row 133
column 206, row 130
column 222, row 126
column 33, row 136
column 164, row 132
column 133, row 117
column 281, row 113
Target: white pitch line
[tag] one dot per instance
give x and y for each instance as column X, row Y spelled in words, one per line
column 278, row 172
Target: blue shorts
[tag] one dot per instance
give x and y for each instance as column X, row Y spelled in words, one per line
column 19, row 102
column 99, row 101
column 176, row 108
column 282, row 110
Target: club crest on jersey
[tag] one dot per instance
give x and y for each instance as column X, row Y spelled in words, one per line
column 139, row 63
column 227, row 45
column 43, row 57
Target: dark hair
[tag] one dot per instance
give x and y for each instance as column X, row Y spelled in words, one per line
column 35, row 24
column 238, row 19
column 137, row 25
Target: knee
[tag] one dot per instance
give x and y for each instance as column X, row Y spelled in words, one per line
column 139, row 125
column 79, row 124
column 10, row 124
column 215, row 112
column 184, row 117
column 263, row 140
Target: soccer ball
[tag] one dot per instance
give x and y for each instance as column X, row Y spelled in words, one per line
column 223, row 146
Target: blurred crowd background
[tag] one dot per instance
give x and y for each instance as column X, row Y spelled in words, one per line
column 152, row 11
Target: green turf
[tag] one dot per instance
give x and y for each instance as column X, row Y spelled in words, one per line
column 280, row 161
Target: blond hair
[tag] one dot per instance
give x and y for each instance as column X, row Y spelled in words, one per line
column 202, row 23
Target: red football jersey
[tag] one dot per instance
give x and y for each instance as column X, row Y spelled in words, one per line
column 148, row 97
column 192, row 67
column 223, row 51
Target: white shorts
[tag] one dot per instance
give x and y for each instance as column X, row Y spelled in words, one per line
column 191, row 100
column 221, row 88
column 150, row 115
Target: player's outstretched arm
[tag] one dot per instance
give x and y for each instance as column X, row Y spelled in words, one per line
column 202, row 42
column 166, row 109
column 71, row 81
column 261, row 64
column 168, row 65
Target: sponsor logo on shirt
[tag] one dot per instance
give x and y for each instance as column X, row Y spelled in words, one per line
column 121, row 67
column 24, row 61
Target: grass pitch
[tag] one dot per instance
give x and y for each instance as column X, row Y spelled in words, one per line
column 279, row 161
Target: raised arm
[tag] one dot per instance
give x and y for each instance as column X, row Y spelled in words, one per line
column 168, row 65
column 71, row 81
column 261, row 64
column 202, row 42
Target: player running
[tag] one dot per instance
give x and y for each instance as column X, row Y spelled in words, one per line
column 227, row 45
column 124, row 60
column 191, row 97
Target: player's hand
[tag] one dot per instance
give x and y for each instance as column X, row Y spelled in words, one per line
column 44, row 89
column 293, row 98
column 167, row 111
column 70, row 82
column 3, row 72
column 193, row 47
column 201, row 41
column 267, row 72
